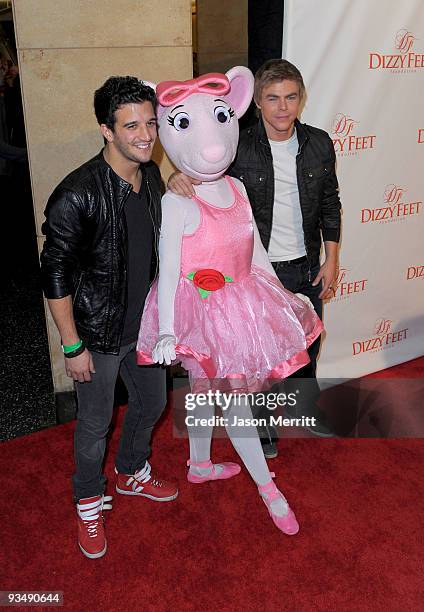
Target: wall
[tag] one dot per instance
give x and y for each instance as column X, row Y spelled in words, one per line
column 221, row 34
column 66, row 50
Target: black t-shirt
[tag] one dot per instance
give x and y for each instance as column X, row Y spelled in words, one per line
column 140, row 243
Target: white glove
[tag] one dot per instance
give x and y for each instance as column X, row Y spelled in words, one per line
column 164, row 350
column 305, row 299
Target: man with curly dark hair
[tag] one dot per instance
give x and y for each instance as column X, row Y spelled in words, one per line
column 98, row 261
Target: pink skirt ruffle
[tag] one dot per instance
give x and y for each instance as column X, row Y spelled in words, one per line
column 244, row 337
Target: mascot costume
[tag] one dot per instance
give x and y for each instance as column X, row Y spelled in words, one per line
column 218, row 306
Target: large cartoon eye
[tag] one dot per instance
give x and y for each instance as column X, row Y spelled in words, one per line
column 223, row 114
column 181, row 121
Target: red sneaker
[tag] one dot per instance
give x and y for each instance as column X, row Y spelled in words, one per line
column 144, row 484
column 91, row 532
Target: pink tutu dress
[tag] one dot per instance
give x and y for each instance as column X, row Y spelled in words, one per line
column 235, row 326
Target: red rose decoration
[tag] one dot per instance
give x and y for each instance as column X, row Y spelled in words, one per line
column 209, row 280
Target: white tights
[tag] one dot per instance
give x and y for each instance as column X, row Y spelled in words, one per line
column 244, row 439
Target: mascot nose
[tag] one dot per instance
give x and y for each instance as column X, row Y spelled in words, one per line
column 213, row 153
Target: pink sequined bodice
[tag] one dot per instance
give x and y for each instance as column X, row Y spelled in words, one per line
column 224, row 239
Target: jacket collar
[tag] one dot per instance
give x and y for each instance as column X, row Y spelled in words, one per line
column 120, row 187
column 302, row 134
column 261, row 132
column 100, row 157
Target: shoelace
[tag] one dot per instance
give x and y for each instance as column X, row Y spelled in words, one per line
column 141, row 477
column 90, row 513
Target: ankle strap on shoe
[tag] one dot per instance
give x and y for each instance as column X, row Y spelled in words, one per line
column 91, row 511
column 269, row 489
column 268, row 484
column 137, row 480
column 202, row 464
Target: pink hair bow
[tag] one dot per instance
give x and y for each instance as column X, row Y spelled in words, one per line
column 171, row 92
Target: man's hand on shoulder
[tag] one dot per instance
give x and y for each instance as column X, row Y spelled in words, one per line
column 182, row 185
column 80, row 368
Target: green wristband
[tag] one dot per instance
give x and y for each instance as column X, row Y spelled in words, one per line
column 71, row 347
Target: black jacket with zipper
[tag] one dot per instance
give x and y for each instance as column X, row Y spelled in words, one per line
column 85, row 251
column 316, row 180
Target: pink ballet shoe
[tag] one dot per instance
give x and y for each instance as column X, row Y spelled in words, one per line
column 288, row 523
column 228, row 470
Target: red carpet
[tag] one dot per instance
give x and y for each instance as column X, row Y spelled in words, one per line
column 409, row 369
column 385, row 404
column 359, row 503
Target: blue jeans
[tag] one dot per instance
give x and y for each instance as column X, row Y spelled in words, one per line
column 146, row 386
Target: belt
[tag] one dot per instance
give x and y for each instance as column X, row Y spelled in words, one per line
column 292, row 261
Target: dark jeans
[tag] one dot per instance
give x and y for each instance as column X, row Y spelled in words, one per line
column 297, row 278
column 146, row 386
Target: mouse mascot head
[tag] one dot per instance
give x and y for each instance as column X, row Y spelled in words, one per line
column 198, row 120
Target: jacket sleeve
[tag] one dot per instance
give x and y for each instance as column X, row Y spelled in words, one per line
column 63, row 229
column 330, row 203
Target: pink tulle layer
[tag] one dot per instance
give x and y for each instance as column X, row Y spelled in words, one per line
column 244, row 337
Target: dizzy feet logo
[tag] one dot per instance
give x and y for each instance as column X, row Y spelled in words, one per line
column 384, row 337
column 343, row 125
column 403, row 60
column 404, row 41
column 396, row 207
column 415, row 272
column 393, row 194
column 345, row 140
column 382, row 326
column 345, row 287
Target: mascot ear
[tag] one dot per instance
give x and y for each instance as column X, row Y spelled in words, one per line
column 241, row 92
column 159, row 108
column 149, row 84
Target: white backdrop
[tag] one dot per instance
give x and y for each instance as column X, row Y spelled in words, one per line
column 363, row 67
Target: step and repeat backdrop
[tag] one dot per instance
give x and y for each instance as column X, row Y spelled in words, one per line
column 363, row 67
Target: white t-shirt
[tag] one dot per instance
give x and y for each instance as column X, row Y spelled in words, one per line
column 287, row 233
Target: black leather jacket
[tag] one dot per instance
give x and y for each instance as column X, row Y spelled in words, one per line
column 85, row 251
column 316, row 179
